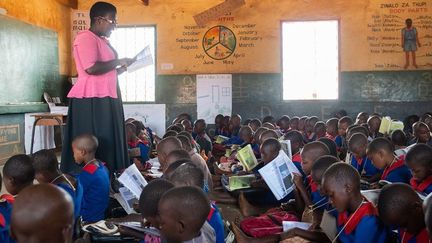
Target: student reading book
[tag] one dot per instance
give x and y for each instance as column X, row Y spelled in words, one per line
column 247, row 157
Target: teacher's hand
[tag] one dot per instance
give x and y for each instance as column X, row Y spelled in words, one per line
column 126, row 61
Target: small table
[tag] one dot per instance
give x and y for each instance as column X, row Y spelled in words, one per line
column 47, row 119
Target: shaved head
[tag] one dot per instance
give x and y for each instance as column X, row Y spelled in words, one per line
column 165, row 147
column 43, row 213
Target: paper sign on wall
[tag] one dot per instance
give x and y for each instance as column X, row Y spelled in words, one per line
column 214, row 96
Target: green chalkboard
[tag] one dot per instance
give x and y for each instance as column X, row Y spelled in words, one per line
column 29, row 62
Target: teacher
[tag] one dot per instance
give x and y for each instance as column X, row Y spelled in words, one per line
column 95, row 105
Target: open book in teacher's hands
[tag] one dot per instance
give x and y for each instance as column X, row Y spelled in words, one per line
column 143, row 59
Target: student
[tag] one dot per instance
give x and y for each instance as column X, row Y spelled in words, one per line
column 306, row 193
column 93, row 177
column 258, row 134
column 255, row 124
column 193, row 142
column 148, row 205
column 318, row 169
column 221, row 129
column 6, row 202
column 357, row 219
column 400, row 207
column 358, row 129
column 268, row 134
column 302, row 124
column 246, row 135
column 269, row 125
column 145, row 134
column 427, row 209
column 43, row 214
column 176, row 155
column 135, row 143
column 201, row 137
column 199, row 162
column 381, row 152
column 309, row 135
column 340, row 139
column 421, row 134
column 234, row 128
column 284, row 124
column 319, row 130
column 331, row 145
column 46, row 169
column 191, row 175
column 419, row 161
column 332, row 128
column 410, row 42
column 269, row 119
column 183, row 212
column 357, row 144
column 166, row 146
column 399, row 140
column 294, row 123
column 374, row 123
column 18, row 173
column 187, row 125
column 296, row 140
column 362, row 118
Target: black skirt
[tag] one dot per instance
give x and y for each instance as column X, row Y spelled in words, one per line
column 104, row 118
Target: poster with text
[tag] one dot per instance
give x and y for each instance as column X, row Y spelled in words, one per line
column 214, row 96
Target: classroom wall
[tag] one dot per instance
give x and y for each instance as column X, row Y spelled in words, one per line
column 370, row 81
column 51, row 14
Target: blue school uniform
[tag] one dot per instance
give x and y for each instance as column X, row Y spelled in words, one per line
column 339, row 140
column 214, row 218
column 424, row 187
column 76, row 194
column 6, row 202
column 405, row 237
column 222, row 132
column 360, row 227
column 95, row 182
column 316, row 197
column 397, row 172
column 144, row 149
column 364, row 166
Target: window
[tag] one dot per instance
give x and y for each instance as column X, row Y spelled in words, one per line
column 310, row 60
column 138, row 86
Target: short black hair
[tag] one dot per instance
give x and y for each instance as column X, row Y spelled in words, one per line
column 150, row 196
column 396, row 198
column 323, row 163
column 185, row 200
column 270, row 134
column 294, row 137
column 176, row 128
column 331, row 145
column 256, row 122
column 139, row 126
column 186, row 142
column 315, row 150
column 285, row 118
column 172, row 167
column 399, row 138
column 273, row 144
column 343, row 174
column 20, row 168
column 358, row 129
column 86, row 142
column 170, row 133
column 356, row 140
column 346, row 120
column 101, row 9
column 269, row 119
column 380, row 143
column 188, row 174
column 420, row 154
column 45, row 161
column 332, row 122
column 320, row 126
column 179, row 154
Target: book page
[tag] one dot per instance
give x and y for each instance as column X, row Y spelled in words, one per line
column 133, row 180
column 240, row 182
column 247, row 157
column 143, row 59
column 385, row 125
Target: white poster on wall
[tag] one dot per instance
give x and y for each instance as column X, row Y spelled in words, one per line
column 152, row 115
column 80, row 22
column 214, row 96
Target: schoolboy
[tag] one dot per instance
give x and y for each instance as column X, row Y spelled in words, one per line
column 94, row 178
column 419, row 161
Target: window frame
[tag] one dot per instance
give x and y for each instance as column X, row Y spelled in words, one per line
column 282, row 57
column 155, row 60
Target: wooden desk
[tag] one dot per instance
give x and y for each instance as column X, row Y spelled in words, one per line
column 47, row 119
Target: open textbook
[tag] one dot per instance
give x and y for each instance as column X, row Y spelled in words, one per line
column 247, row 157
column 233, row 183
column 388, row 125
column 133, row 180
column 278, row 175
column 143, row 59
column 286, row 147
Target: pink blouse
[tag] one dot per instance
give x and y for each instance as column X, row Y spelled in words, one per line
column 88, row 49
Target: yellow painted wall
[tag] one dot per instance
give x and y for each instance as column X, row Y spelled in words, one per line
column 171, row 17
column 48, row 14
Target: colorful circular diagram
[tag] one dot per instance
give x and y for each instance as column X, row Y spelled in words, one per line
column 219, row 42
